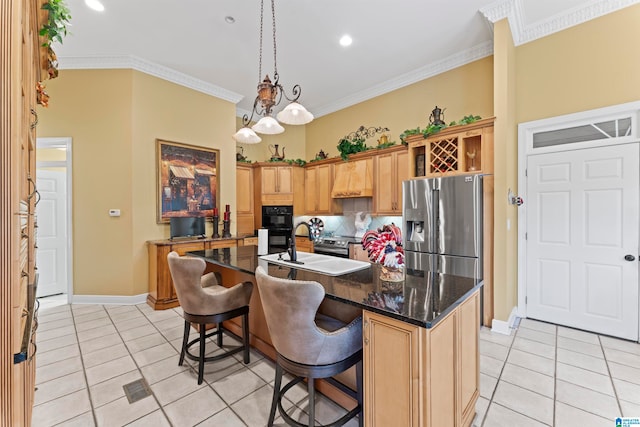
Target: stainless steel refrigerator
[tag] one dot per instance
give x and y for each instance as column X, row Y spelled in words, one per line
column 442, row 222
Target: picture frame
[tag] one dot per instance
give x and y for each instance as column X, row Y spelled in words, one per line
column 187, row 180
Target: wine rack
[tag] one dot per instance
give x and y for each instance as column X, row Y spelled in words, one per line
column 443, row 155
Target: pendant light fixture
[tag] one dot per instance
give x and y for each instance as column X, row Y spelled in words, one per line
column 269, row 95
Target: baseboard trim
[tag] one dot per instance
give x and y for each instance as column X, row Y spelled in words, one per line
column 502, row 327
column 110, row 299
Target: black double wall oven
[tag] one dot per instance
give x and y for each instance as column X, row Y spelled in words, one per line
column 279, row 221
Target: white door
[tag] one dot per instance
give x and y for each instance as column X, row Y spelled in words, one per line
column 51, row 234
column 582, row 221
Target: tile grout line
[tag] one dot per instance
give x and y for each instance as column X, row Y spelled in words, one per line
column 190, row 368
column 504, row 364
column 138, row 367
column 613, row 384
column 84, row 368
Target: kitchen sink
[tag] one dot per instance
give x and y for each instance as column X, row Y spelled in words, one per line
column 325, row 264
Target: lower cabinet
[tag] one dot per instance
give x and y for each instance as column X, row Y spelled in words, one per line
column 162, row 293
column 434, row 379
column 303, row 244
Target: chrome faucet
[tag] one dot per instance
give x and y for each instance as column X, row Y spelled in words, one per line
column 292, row 241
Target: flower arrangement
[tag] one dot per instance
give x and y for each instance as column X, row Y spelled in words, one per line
column 384, row 246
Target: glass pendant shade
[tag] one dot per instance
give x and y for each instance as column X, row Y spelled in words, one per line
column 295, row 114
column 246, row 136
column 268, row 125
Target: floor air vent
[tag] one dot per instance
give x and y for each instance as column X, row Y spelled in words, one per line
column 137, row 390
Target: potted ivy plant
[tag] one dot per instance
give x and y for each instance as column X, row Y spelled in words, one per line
column 53, row 30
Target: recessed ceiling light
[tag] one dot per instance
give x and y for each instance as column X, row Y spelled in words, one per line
column 95, row 5
column 229, row 19
column 346, row 40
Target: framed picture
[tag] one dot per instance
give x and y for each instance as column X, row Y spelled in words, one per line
column 420, row 165
column 187, row 180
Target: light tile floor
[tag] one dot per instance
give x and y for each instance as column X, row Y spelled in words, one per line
column 541, row 375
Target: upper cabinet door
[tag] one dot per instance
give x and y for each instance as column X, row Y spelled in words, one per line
column 244, row 190
column 269, row 180
column 285, row 179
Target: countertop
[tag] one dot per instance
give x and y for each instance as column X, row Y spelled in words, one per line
column 423, row 298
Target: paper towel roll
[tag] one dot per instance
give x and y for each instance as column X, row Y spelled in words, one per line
column 263, row 241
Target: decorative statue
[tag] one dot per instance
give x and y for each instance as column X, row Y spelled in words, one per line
column 362, row 224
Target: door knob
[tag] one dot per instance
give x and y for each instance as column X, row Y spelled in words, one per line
column 629, row 257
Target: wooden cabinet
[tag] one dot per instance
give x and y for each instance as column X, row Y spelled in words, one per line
column 448, row 153
column 435, row 380
column 452, row 151
column 390, row 171
column 353, row 179
column 162, row 293
column 278, row 184
column 20, row 70
column 318, row 182
column 245, row 215
column 303, row 244
column 357, row 252
column 248, row 241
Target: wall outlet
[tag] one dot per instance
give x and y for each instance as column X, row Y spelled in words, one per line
column 114, row 212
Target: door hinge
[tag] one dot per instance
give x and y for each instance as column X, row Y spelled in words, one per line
column 526, row 236
column 525, row 299
column 526, row 172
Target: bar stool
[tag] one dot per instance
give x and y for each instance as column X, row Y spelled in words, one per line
column 205, row 302
column 308, row 344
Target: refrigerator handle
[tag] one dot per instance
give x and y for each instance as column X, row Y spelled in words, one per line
column 435, row 198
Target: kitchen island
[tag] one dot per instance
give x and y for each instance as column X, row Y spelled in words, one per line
column 420, row 336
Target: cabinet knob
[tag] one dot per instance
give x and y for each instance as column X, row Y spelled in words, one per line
column 366, row 341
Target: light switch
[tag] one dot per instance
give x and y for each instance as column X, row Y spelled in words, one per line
column 114, row 212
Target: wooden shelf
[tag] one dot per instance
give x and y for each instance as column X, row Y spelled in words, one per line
column 456, row 150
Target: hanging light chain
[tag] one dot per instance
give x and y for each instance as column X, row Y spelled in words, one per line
column 260, row 62
column 275, row 62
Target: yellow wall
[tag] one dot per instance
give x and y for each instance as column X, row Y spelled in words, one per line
column 114, row 117
column 588, row 66
column 505, row 173
column 164, row 110
column 94, row 108
column 462, row 91
column 292, row 139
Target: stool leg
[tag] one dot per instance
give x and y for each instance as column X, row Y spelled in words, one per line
column 220, row 330
column 276, row 393
column 245, row 337
column 360, row 393
column 312, row 401
column 201, row 361
column 185, row 340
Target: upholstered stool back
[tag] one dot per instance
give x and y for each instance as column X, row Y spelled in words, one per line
column 204, row 302
column 308, row 344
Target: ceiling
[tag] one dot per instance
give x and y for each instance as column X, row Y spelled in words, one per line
column 395, row 43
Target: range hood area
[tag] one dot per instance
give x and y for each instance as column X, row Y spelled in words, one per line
column 353, row 179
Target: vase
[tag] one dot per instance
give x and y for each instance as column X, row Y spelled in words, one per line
column 391, row 274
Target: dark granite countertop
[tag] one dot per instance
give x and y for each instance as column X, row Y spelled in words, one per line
column 423, row 298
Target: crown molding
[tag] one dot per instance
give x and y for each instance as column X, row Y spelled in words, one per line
column 514, row 12
column 147, row 67
column 449, row 63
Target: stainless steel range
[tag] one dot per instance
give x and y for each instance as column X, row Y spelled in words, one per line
column 335, row 245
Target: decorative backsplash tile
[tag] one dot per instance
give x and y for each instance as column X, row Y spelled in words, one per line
column 344, row 225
